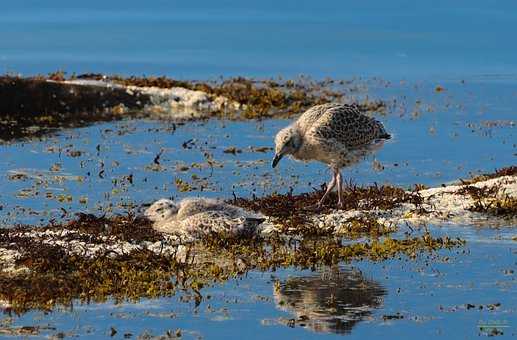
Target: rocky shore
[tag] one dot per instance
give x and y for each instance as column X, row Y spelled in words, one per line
column 93, row 258
column 32, row 106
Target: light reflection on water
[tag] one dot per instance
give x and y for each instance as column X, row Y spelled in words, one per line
column 330, row 302
column 430, row 293
column 437, row 141
column 429, row 296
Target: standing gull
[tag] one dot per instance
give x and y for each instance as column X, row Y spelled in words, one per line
column 201, row 216
column 335, row 134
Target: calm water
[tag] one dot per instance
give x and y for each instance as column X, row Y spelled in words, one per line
column 87, row 169
column 206, row 39
column 466, row 47
column 468, row 128
column 429, row 295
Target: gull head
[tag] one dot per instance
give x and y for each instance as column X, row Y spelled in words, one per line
column 161, row 210
column 287, row 142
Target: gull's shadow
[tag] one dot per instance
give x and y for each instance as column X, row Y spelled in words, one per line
column 329, row 302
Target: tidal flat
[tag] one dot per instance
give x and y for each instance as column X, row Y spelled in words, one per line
column 431, row 279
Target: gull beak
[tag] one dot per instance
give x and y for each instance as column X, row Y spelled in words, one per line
column 277, row 159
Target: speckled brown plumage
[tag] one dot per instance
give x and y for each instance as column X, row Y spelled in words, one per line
column 336, row 134
column 201, row 216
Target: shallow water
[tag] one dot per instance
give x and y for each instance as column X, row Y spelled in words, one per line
column 111, row 166
column 450, row 295
column 438, row 137
column 465, row 47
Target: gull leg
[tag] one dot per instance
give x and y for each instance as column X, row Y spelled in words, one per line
column 339, row 180
column 330, row 186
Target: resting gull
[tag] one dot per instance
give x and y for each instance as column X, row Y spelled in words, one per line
column 202, row 216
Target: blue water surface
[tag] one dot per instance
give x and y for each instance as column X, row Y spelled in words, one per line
column 207, row 39
column 466, row 48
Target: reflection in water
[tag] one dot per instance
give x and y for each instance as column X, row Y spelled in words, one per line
column 331, row 302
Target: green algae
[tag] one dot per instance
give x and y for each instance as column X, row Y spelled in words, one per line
column 55, row 276
column 259, row 98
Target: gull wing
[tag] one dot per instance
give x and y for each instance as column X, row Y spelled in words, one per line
column 346, row 125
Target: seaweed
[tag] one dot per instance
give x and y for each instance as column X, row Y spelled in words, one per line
column 37, row 105
column 491, row 200
column 505, row 171
column 261, row 98
column 55, row 275
column 291, row 211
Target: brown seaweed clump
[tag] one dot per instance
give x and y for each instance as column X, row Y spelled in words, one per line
column 261, row 98
column 34, row 106
column 292, row 213
column 505, row 171
column 491, row 201
column 128, row 227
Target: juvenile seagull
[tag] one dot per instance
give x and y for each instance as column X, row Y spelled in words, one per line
column 335, row 134
column 201, row 216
